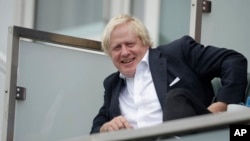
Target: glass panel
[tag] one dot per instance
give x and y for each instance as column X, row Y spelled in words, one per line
column 228, row 25
column 137, row 9
column 174, row 20
column 64, row 91
column 81, row 18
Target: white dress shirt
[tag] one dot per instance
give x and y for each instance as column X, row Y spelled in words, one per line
column 138, row 99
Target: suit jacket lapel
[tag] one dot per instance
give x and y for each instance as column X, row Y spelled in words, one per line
column 158, row 67
column 117, row 86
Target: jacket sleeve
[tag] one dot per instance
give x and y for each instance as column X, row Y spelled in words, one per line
column 104, row 114
column 210, row 61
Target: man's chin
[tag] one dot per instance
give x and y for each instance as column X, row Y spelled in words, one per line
column 129, row 74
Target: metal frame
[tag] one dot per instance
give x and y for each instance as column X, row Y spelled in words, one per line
column 179, row 127
column 196, row 19
column 15, row 34
column 197, row 8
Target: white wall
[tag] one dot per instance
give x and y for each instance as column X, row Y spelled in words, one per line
column 12, row 12
column 7, row 18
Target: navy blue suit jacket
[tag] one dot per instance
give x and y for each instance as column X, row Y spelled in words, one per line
column 195, row 66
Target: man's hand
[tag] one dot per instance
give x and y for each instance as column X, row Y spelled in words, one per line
column 115, row 124
column 217, row 107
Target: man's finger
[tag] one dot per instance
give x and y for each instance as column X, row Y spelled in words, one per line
column 125, row 123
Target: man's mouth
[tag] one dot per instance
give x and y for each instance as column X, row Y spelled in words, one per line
column 128, row 60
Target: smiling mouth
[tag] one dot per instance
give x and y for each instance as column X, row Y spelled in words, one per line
column 128, row 60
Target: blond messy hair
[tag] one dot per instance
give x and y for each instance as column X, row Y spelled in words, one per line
column 136, row 26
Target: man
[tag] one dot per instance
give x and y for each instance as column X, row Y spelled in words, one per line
column 165, row 83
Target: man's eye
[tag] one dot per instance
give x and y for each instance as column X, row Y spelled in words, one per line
column 116, row 48
column 131, row 44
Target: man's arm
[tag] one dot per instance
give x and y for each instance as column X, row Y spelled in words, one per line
column 229, row 65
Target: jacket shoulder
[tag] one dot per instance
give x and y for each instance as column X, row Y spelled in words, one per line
column 112, row 78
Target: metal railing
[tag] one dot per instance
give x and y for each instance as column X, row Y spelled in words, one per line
column 15, row 35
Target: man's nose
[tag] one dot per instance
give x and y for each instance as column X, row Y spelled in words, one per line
column 124, row 50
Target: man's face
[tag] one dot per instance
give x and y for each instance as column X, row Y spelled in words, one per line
column 126, row 50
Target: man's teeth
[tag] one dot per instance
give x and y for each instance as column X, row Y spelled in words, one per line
column 127, row 61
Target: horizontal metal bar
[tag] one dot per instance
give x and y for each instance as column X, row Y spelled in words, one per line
column 57, row 38
column 172, row 128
